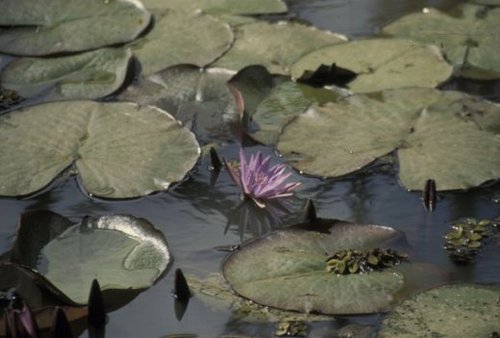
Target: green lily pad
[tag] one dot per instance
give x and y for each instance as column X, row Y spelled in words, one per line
column 285, row 102
column 200, row 98
column 49, row 26
column 286, row 269
column 262, row 43
column 470, row 37
column 439, row 135
column 121, row 251
column 88, row 75
column 222, row 6
column 101, row 139
column 180, row 37
column 447, row 311
column 381, row 63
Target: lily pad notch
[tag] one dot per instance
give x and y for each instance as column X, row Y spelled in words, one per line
column 120, row 150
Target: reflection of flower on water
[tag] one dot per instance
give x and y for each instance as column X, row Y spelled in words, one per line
column 258, row 181
column 252, row 219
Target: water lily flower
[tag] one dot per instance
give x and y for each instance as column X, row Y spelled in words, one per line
column 259, row 182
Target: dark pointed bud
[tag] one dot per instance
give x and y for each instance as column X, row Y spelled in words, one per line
column 10, row 324
column 310, row 211
column 181, row 291
column 28, row 321
column 429, row 195
column 60, row 325
column 96, row 309
column 214, row 158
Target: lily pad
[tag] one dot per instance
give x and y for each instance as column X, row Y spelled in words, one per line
column 284, row 103
column 470, row 37
column 101, row 139
column 222, row 6
column 262, row 43
column 121, row 251
column 447, row 311
column 49, row 26
column 381, row 63
column 448, row 136
column 180, row 37
column 88, row 75
column 286, row 269
column 200, row 98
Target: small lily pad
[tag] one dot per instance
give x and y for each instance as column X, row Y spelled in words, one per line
column 263, row 43
column 381, row 63
column 286, row 269
column 121, row 251
column 101, row 139
column 447, row 311
column 180, row 37
column 88, row 75
column 49, row 26
column 200, row 98
column 469, row 37
column 449, row 136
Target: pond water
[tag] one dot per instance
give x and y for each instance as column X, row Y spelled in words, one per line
column 193, row 215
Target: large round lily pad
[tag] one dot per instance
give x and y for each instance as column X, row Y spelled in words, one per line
column 276, row 46
column 286, row 269
column 222, row 6
column 49, row 26
column 381, row 63
column 88, row 75
column 470, row 36
column 120, row 251
column 180, row 37
column 447, row 311
column 447, row 136
column 199, row 98
column 120, row 150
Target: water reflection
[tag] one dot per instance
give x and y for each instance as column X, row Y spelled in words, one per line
column 248, row 218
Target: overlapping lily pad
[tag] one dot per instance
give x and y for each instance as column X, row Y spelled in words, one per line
column 86, row 76
column 470, row 37
column 262, row 43
column 287, row 270
column 447, row 311
column 180, row 37
column 222, row 6
column 448, row 136
column 121, row 251
column 120, row 150
column 381, row 63
column 286, row 101
column 200, row 98
column 49, row 26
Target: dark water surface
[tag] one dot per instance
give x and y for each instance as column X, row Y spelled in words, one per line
column 193, row 215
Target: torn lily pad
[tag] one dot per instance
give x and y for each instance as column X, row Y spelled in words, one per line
column 49, row 26
column 121, row 251
column 200, row 98
column 449, row 136
column 100, row 139
column 459, row 310
column 286, row 270
column 469, row 37
column 180, row 37
column 88, row 75
column 262, row 43
column 381, row 63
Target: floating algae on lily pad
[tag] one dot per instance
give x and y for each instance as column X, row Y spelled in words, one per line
column 289, row 269
column 448, row 311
